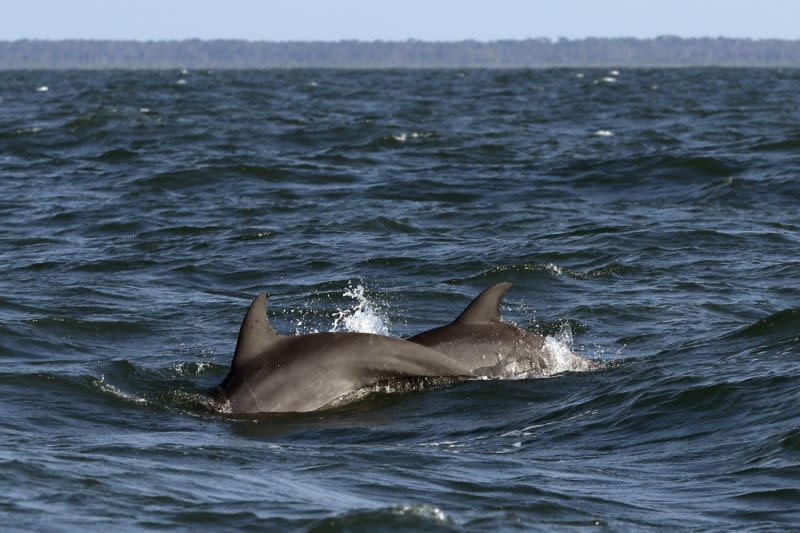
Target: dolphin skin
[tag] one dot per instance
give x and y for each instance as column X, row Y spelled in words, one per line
column 277, row 373
column 487, row 345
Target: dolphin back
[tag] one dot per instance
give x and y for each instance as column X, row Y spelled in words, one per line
column 306, row 372
column 278, row 373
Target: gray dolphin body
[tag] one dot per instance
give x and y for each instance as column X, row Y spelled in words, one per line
column 277, row 373
column 489, row 346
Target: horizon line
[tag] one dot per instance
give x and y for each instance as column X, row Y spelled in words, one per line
column 552, row 40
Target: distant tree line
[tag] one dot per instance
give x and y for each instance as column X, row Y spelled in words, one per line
column 236, row 54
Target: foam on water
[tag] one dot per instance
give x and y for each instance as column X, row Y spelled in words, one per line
column 403, row 137
column 427, row 511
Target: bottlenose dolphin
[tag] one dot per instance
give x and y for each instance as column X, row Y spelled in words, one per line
column 487, row 345
column 278, row 373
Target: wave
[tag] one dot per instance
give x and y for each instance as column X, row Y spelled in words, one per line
column 66, row 324
column 784, row 324
column 401, row 517
column 550, row 270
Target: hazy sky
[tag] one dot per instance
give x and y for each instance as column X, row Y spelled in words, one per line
column 395, row 19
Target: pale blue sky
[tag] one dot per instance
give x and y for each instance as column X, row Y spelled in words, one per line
column 396, row 19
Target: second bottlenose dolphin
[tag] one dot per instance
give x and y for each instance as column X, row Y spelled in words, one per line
column 277, row 373
column 489, row 346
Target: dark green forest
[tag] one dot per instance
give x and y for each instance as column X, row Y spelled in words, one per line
column 236, row 54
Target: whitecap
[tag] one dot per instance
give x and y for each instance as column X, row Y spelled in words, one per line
column 603, row 133
column 403, row 137
column 181, row 82
column 42, row 89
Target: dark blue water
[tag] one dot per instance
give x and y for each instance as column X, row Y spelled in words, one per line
column 656, row 213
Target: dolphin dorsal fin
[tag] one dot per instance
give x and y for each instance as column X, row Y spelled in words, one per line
column 486, row 307
column 256, row 333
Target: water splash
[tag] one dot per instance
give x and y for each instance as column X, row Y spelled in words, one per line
column 191, row 368
column 559, row 349
column 365, row 317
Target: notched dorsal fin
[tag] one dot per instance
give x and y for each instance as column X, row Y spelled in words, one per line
column 486, row 307
column 256, row 333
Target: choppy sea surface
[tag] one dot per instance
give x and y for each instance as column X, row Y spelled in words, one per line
column 648, row 219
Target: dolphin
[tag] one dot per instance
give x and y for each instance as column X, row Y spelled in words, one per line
column 273, row 373
column 489, row 346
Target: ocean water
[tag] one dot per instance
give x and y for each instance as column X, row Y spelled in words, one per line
column 648, row 219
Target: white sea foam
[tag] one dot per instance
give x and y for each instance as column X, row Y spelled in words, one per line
column 608, row 79
column 614, row 72
column 603, row 133
column 363, row 317
column 403, row 137
column 42, row 89
column 181, row 82
column 423, row 511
